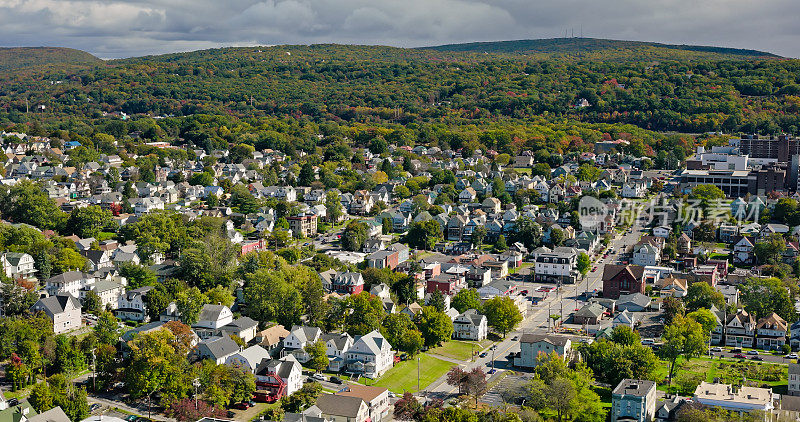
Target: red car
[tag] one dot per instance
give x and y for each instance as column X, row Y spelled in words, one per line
column 524, row 292
column 739, row 356
column 241, row 406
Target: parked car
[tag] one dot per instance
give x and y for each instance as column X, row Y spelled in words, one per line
column 241, row 405
column 791, row 356
column 483, row 355
column 737, row 350
column 336, row 380
column 524, row 293
column 757, row 358
column 492, row 371
column 318, row 376
column 752, row 352
column 131, row 418
column 739, row 356
column 648, row 342
column 716, row 349
column 94, row 407
column 515, row 338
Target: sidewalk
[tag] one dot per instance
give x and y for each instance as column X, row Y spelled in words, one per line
column 124, row 407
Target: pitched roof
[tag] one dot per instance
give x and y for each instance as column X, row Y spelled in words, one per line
column 367, row 393
column 538, row 338
column 612, row 271
column 337, row 405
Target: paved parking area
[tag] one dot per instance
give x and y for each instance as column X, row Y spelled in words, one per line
column 508, row 390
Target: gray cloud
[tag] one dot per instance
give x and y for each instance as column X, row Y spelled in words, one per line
column 119, row 28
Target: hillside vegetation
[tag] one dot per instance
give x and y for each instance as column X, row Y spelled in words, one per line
column 19, row 58
column 601, row 49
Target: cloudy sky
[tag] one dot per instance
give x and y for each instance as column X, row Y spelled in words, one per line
column 116, row 28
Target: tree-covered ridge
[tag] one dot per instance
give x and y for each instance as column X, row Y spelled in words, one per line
column 367, row 84
column 596, row 48
column 17, row 58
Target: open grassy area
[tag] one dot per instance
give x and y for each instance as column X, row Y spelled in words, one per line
column 688, row 374
column 460, row 349
column 403, row 376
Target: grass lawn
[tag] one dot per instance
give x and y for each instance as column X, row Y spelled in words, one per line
column 605, row 395
column 727, row 370
column 403, row 376
column 523, row 170
column 460, row 350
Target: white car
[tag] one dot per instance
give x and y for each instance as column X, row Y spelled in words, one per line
column 648, row 342
column 791, row 356
column 318, row 376
column 716, row 349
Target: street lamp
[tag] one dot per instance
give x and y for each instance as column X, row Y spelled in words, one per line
column 417, row 373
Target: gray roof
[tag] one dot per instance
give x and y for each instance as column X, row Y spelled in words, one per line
column 632, row 387
column 538, row 338
column 211, row 312
column 56, row 304
column 220, row 347
column 634, row 298
column 592, row 310
column 53, row 415
column 306, row 334
column 339, row 405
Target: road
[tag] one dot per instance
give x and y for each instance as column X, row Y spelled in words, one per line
column 539, row 315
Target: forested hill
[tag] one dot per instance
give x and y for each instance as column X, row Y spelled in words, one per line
column 18, row 58
column 601, row 49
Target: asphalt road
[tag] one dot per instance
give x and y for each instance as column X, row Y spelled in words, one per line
column 539, row 315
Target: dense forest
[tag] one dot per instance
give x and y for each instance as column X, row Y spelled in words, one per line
column 414, row 95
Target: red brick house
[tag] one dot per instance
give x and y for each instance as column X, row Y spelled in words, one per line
column 444, row 283
column 348, row 283
column 622, row 279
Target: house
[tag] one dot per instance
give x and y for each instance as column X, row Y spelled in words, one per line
column 794, row 339
column 662, row 231
column 470, row 325
column 211, row 319
column 271, row 337
column 634, row 401
column 636, row 189
column 380, row 291
column 17, row 265
column 370, row 355
column 467, row 196
column 343, row 408
column 589, row 314
column 245, row 328
column 276, row 378
column 667, row 410
column 741, row 399
column 633, row 302
column 624, row 318
column 295, row 343
column 131, row 306
column 740, row 330
column 556, row 265
column 348, row 283
column 336, row 345
column 217, row 349
column 376, row 398
column 491, row 205
column 63, row 309
column 794, row 379
column 70, row 282
column 672, row 287
column 248, row 359
column 743, row 251
column 771, row 332
column 403, row 252
column 532, row 345
column 622, row 279
column 684, row 244
column 383, row 259
column 646, row 254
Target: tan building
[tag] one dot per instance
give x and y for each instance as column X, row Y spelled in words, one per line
column 376, row 398
column 304, row 225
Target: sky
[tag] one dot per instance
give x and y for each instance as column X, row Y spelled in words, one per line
column 115, row 28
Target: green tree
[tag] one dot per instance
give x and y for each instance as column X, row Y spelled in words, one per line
column 394, row 327
column 220, row 295
column 333, row 207
column 466, row 299
column 424, row 234
column 769, row 250
column 434, row 325
column 502, row 314
column 354, row 236
column 107, row 329
column 436, row 300
column 478, row 235
column 366, row 314
column 702, row 295
column 89, row 221
column 138, row 275
column 684, row 337
column 318, row 356
column 583, row 264
column 500, row 245
column 761, row 297
column 26, row 202
column 189, row 303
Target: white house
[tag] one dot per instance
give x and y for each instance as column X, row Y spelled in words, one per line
column 17, row 264
column 370, row 355
column 470, row 325
column 532, row 345
column 63, row 309
column 211, row 319
column 131, row 306
column 217, row 349
column 248, row 358
column 281, row 377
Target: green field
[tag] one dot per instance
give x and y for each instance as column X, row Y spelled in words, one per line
column 728, row 371
column 460, row 350
column 403, row 377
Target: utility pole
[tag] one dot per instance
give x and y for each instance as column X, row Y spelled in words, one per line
column 196, row 384
column 94, row 372
column 417, row 373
